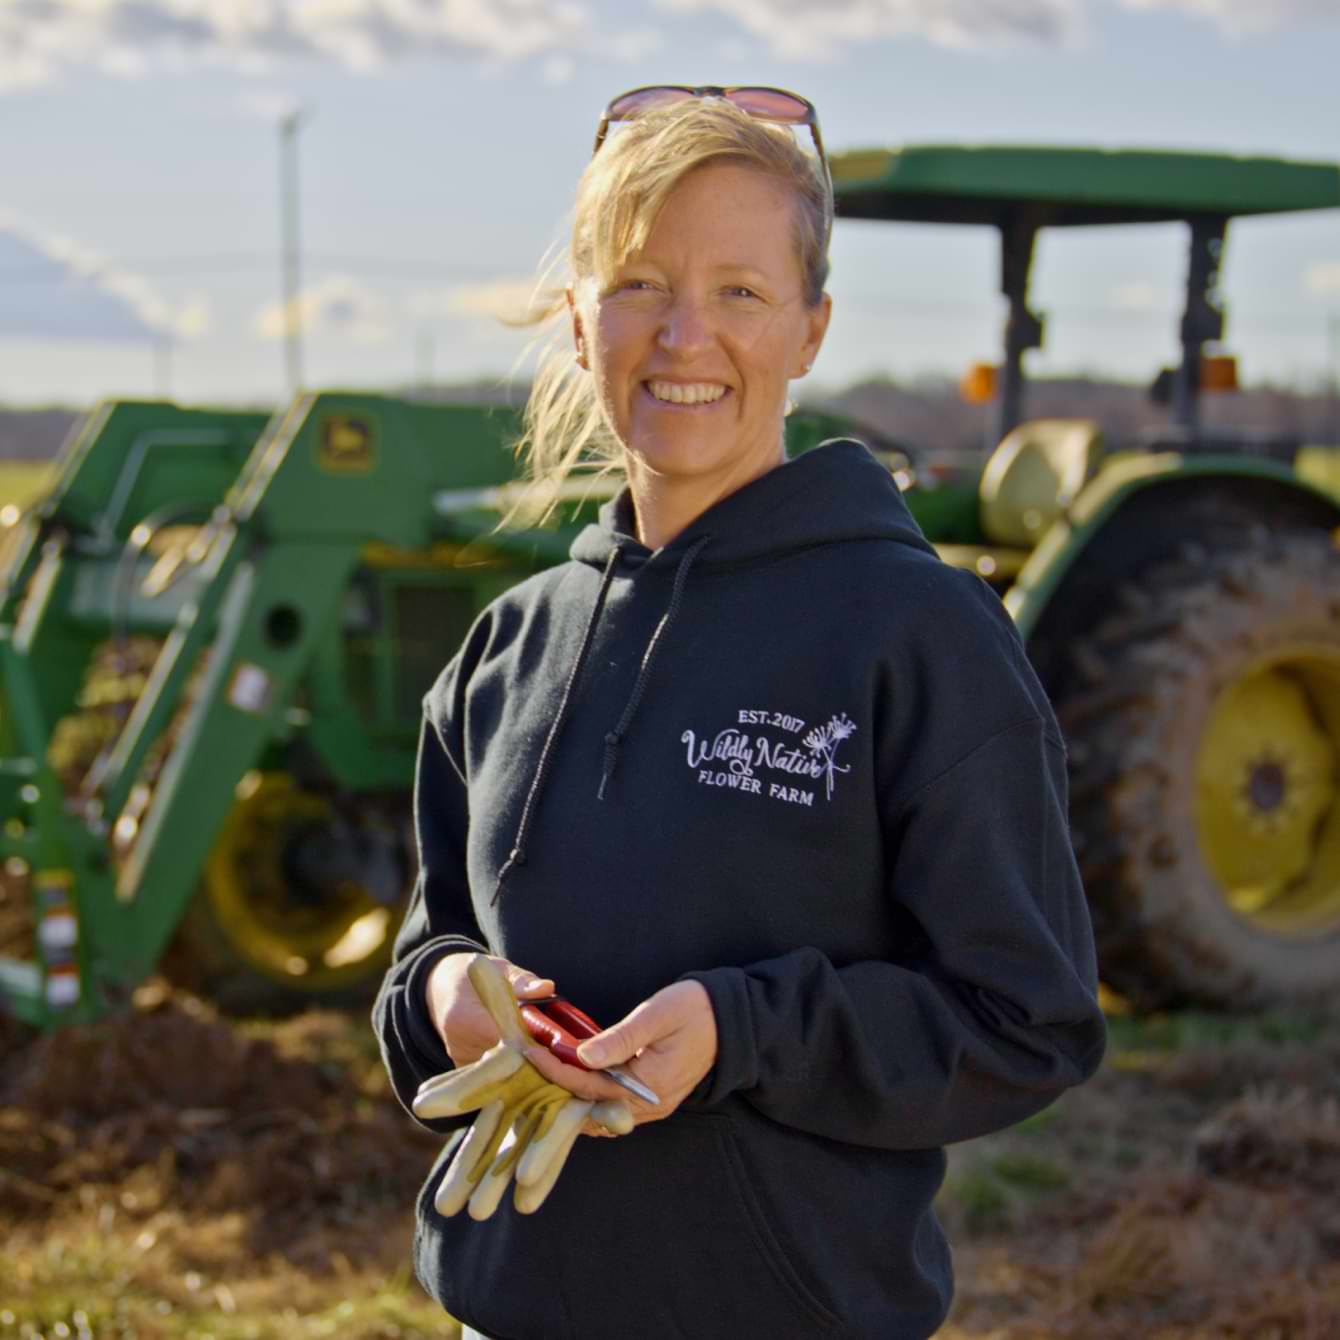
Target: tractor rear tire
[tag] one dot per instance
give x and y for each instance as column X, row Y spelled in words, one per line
column 253, row 941
column 1203, row 720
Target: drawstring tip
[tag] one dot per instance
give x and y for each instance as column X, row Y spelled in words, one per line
column 611, row 757
column 517, row 856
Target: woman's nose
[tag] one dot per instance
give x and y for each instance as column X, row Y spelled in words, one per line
column 686, row 327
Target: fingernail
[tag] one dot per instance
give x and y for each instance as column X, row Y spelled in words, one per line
column 592, row 1053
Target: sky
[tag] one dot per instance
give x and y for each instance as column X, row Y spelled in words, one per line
column 441, row 141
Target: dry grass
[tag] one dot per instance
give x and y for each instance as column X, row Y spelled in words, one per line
column 1201, row 1204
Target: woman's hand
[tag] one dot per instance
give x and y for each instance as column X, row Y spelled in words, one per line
column 466, row 1027
column 669, row 1042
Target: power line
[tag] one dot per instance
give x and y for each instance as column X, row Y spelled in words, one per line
column 236, row 262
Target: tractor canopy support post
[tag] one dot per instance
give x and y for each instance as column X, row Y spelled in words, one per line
column 1203, row 319
column 1023, row 329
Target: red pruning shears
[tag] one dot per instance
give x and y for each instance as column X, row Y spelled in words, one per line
column 561, row 1026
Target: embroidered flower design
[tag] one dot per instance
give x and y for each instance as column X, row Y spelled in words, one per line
column 823, row 742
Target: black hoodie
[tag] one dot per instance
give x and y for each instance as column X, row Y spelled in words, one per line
column 795, row 757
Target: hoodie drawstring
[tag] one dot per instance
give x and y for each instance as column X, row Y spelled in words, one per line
column 518, row 853
column 615, row 737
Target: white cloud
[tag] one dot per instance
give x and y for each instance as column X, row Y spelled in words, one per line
column 1241, row 18
column 41, row 38
column 56, row 289
column 1322, row 279
column 803, row 30
column 337, row 304
column 499, row 299
column 558, row 70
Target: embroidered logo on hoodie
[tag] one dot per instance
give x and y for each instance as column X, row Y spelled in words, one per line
column 744, row 754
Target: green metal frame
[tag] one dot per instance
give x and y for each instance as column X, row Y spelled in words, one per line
column 293, row 513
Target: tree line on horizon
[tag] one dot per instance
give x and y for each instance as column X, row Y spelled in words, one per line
column 928, row 413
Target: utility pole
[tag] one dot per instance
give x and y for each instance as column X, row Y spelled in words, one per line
column 289, row 125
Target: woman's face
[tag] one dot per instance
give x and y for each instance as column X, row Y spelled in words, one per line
column 693, row 341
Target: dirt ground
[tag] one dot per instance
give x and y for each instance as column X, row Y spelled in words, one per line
column 172, row 1174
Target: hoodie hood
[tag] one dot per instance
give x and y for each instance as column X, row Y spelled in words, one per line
column 833, row 493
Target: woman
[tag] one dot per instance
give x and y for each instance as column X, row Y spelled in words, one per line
column 755, row 775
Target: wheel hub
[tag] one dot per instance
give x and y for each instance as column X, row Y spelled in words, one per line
column 1267, row 786
column 1267, row 802
column 314, row 926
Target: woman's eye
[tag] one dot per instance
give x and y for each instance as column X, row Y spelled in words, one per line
column 740, row 291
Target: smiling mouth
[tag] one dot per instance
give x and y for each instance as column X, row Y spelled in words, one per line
column 682, row 395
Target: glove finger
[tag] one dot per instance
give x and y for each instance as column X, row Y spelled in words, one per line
column 614, row 1116
column 528, row 1199
column 552, row 1104
column 455, row 1188
column 544, row 1147
column 525, row 1128
column 468, row 1088
column 517, row 1096
column 496, row 1056
column 495, row 994
column 489, row 1193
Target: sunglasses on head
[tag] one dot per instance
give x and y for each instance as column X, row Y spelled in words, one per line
column 777, row 105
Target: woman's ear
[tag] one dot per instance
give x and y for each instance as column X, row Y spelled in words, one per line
column 578, row 338
column 818, row 318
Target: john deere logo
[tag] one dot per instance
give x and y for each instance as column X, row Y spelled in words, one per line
column 345, row 445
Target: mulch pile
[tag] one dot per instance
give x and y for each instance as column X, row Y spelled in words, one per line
column 1229, row 1230
column 171, row 1106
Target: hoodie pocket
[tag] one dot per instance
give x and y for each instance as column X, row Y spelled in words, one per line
column 767, row 1242
column 657, row 1234
column 679, row 1241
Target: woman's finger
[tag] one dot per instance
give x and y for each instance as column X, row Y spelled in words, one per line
column 588, row 1084
column 526, row 984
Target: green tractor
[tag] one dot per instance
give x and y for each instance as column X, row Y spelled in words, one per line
column 1179, row 596
column 215, row 632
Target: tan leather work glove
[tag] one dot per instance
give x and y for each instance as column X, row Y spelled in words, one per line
column 526, row 1126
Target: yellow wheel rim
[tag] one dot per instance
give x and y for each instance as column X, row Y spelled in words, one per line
column 315, row 942
column 1267, row 792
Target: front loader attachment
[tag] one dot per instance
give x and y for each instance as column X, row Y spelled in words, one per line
column 308, row 597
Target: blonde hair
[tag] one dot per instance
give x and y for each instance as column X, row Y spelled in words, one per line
column 619, row 197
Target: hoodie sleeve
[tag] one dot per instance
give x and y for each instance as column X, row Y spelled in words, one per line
column 440, row 919
column 986, row 1020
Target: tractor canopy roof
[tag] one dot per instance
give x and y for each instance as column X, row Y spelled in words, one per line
column 992, row 184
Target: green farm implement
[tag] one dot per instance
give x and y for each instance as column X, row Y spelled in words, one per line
column 215, row 632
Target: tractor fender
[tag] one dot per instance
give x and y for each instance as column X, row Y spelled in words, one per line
column 1133, row 510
